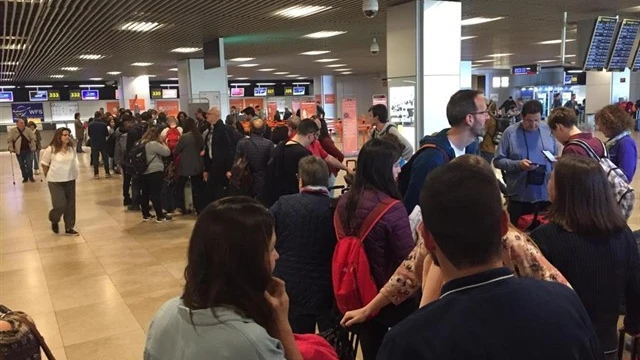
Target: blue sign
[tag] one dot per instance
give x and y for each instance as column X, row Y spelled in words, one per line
column 38, row 95
column 90, row 95
column 28, row 110
column 298, row 90
column 603, row 33
column 6, row 96
column 622, row 50
column 259, row 91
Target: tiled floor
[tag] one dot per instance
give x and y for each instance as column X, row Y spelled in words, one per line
column 93, row 296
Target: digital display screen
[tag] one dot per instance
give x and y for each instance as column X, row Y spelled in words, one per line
column 75, row 95
column 622, row 50
column 6, row 96
column 54, row 95
column 636, row 63
column 525, row 70
column 169, row 93
column 38, row 95
column 288, row 91
column 603, row 33
column 90, row 95
column 259, row 91
column 156, row 93
column 298, row 90
column 237, row 91
column 271, row 91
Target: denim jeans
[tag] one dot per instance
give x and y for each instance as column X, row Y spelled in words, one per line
column 25, row 159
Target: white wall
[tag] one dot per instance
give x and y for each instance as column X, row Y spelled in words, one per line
column 360, row 87
column 598, row 91
column 86, row 109
column 401, row 40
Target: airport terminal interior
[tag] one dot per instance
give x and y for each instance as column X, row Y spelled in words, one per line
column 541, row 90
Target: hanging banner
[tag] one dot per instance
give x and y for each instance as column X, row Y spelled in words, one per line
column 295, row 106
column 318, row 98
column 137, row 105
column 307, row 109
column 329, row 99
column 272, row 107
column 113, row 107
column 379, row 99
column 349, row 127
column 169, row 107
column 32, row 111
column 238, row 103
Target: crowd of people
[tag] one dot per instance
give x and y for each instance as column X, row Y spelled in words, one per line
column 453, row 272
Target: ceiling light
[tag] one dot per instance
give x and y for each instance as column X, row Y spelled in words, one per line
column 500, row 55
column 56, row 76
column 71, row 68
column 467, row 37
column 229, row 76
column 292, row 76
column 142, row 64
column 545, row 61
column 11, row 37
column 7, row 73
column 299, row 11
column 92, row 86
column 324, row 34
column 281, row 73
column 141, row 26
column 95, row 79
column 574, row 71
column 9, row 63
column 13, row 47
column 336, row 65
column 152, row 75
column 557, row 41
column 243, row 78
column 186, row 49
column 91, row 57
column 567, row 56
column 265, row 84
column 347, row 73
column 174, row 79
column 315, row 52
column 241, row 84
column 341, row 69
column 479, row 20
column 632, row 9
column 248, row 65
column 7, row 87
column 38, row 86
column 302, row 83
column 240, row 59
column 483, row 61
column 114, row 73
column 325, row 60
column 173, row 69
column 271, row 69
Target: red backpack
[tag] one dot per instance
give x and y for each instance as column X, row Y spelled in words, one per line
column 353, row 285
column 173, row 135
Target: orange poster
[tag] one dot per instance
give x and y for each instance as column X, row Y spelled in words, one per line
column 139, row 103
column 253, row 102
column 112, row 107
column 329, row 99
column 169, row 107
column 272, row 107
column 295, row 106
column 238, row 103
column 349, row 127
column 318, row 98
column 307, row 109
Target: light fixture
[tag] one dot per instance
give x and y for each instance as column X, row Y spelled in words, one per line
column 292, row 76
column 574, row 71
column 11, row 37
column 302, row 78
column 467, row 37
column 91, row 86
column 248, row 65
column 241, row 59
column 95, row 79
column 265, row 84
column 374, row 48
column 299, row 11
column 479, row 20
column 141, row 26
column 484, row 61
column 325, row 60
column 545, row 61
column 302, row 83
column 324, row 34
column 169, row 85
column 315, row 52
column 91, row 57
column 56, row 76
column 500, row 55
column 229, row 76
column 7, row 73
column 7, row 87
column 185, row 50
column 557, row 41
column 114, row 73
column 567, row 56
column 38, row 86
column 173, row 79
column 9, row 63
column 341, row 69
column 70, row 68
column 281, row 73
column 271, row 69
column 336, row 65
column 632, row 9
column 173, row 69
column 152, row 75
column 240, row 84
column 142, row 64
column 13, row 47
column 243, row 78
column 347, row 73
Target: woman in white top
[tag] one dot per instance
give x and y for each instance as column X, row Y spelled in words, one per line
column 61, row 170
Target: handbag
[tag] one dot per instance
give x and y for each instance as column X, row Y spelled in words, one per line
column 344, row 342
column 23, row 341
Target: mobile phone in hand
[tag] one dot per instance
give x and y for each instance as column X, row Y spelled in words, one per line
column 547, row 154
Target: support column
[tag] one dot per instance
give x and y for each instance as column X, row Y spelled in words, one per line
column 130, row 87
column 598, row 91
column 329, row 96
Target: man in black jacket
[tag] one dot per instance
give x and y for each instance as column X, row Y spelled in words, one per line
column 258, row 151
column 219, row 150
column 129, row 179
column 98, row 133
column 306, row 240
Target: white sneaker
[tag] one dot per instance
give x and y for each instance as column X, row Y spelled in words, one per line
column 37, row 172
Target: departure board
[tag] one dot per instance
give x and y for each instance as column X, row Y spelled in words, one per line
column 636, row 62
column 603, row 33
column 622, row 50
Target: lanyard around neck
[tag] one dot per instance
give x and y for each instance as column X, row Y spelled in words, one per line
column 526, row 143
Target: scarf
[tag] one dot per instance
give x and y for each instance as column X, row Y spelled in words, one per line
column 315, row 190
column 613, row 141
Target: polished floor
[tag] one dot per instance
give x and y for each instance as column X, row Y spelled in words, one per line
column 93, row 296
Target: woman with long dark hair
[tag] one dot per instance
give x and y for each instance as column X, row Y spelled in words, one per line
column 589, row 242
column 61, row 170
column 181, row 118
column 232, row 307
column 153, row 178
column 190, row 165
column 390, row 240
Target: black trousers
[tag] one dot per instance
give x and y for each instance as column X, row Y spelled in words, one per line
column 304, row 322
column 518, row 208
column 130, row 183
column 95, row 153
column 151, row 186
column 197, row 192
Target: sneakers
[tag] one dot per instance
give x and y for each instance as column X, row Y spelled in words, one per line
column 148, row 218
column 55, row 228
column 71, row 232
column 32, row 179
column 36, row 171
column 166, row 218
column 96, row 176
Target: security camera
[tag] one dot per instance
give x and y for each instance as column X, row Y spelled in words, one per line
column 374, row 48
column 370, row 8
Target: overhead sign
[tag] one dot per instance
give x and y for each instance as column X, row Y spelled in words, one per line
column 288, row 91
column 38, row 95
column 54, row 95
column 636, row 63
column 32, row 111
column 156, row 93
column 299, row 90
column 271, row 91
column 237, row 91
column 622, row 50
column 6, row 96
column 571, row 79
column 169, row 93
column 259, row 91
column 379, row 99
column 75, row 95
column 90, row 95
column 601, row 40
column 525, row 70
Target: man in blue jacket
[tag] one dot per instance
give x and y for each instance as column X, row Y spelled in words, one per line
column 467, row 114
column 98, row 133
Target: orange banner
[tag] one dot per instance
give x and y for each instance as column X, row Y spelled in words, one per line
column 272, row 107
column 169, row 107
column 329, row 99
column 318, row 97
column 139, row 102
column 112, row 107
column 253, row 102
column 238, row 103
column 307, row 109
column 349, row 127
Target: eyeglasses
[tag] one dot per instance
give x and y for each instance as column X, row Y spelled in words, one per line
column 480, row 112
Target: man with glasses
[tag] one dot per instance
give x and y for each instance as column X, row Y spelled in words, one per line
column 219, row 151
column 525, row 168
column 467, row 114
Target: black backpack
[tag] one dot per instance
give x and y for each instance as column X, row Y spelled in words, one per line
column 405, row 174
column 136, row 159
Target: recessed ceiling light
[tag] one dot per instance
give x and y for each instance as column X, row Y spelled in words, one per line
column 546, row 61
column 316, row 52
column 7, row 73
column 12, row 37
column 186, row 49
column 632, row 9
column 174, row 79
column 173, row 69
column 336, row 65
column 326, row 60
column 292, row 76
column 324, row 34
column 557, row 41
column 567, row 56
column 56, row 76
column 271, row 69
column 141, row 26
column 483, row 61
column 91, row 57
column 142, row 64
column 347, row 73
column 229, row 76
column 248, row 65
column 70, row 68
column 95, row 79
column 242, row 78
column 302, row 78
column 299, row 11
column 479, row 20
column 341, row 69
column 240, row 59
column 114, row 73
column 467, row 37
column 574, row 71
column 13, row 47
column 152, row 75
column 500, row 55
column 281, row 73
column 9, row 63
